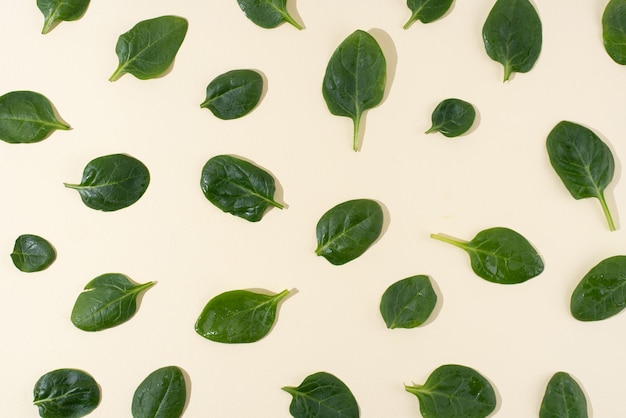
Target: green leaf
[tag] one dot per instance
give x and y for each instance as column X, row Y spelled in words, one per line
column 149, row 48
column 322, row 395
column 238, row 316
column 107, row 301
column 233, row 94
column 583, row 162
column 55, row 11
column 355, row 79
column 563, row 398
column 408, row 303
column 345, row 231
column 27, row 117
column 454, row 391
column 452, row 117
column 162, row 394
column 512, row 35
column 66, row 393
column 238, row 187
column 267, row 13
column 112, row 182
column 426, row 11
column 614, row 30
column 602, row 291
column 32, row 253
column 500, row 255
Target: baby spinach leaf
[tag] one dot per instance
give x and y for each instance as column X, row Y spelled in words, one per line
column 66, row 393
column 355, row 79
column 322, row 395
column 27, row 117
column 107, row 301
column 455, row 391
column 563, row 398
column 162, row 394
column 238, row 187
column 267, row 13
column 500, row 255
column 112, row 182
column 426, row 11
column 408, row 303
column 239, row 316
column 55, row 11
column 452, row 117
column 602, row 291
column 583, row 162
column 233, row 94
column 614, row 30
column 148, row 49
column 512, row 35
column 348, row 229
column 32, row 253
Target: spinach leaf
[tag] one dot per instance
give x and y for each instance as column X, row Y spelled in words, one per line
column 452, row 117
column 112, row 182
column 233, row 94
column 408, row 303
column 66, row 393
column 355, row 79
column 602, row 291
column 107, row 301
column 55, row 11
column 500, row 255
column 238, row 316
column 267, row 13
column 512, row 35
column 583, row 162
column 148, row 49
column 563, row 398
column 614, row 30
column 27, row 117
column 345, row 231
column 455, row 391
column 162, row 394
column 322, row 395
column 238, row 187
column 32, row 253
column 426, row 11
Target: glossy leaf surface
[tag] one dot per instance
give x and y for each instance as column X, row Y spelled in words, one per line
column 107, row 301
column 455, row 391
column 322, row 395
column 27, row 117
column 452, row 117
column 583, row 162
column 347, row 230
column 355, row 79
column 233, row 94
column 614, row 30
column 512, row 35
column 267, row 13
column 500, row 255
column 563, row 398
column 408, row 303
column 426, row 11
column 32, row 253
column 162, row 394
column 148, row 49
column 55, row 11
column 66, row 393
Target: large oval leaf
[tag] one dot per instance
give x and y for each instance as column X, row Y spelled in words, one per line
column 32, row 253
column 614, row 30
column 563, row 398
column 55, row 11
column 233, row 94
column 408, row 303
column 426, row 11
column 267, row 13
column 162, row 394
column 66, row 393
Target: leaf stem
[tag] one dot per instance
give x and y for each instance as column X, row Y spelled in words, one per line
column 410, row 21
column 414, row 389
column 355, row 133
column 119, row 72
column 291, row 21
column 607, row 212
column 456, row 242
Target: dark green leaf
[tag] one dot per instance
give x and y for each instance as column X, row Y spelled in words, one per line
column 322, row 395
column 55, row 11
column 583, row 162
column 107, row 301
column 27, row 117
column 454, row 391
column 112, row 182
column 267, row 13
column 233, row 94
column 614, row 30
column 149, row 48
column 355, row 78
column 426, row 11
column 408, row 303
column 238, row 187
column 162, row 394
column 563, row 398
column 66, row 393
column 500, row 255
column 512, row 35
column 348, row 229
column 32, row 253
column 238, row 316
column 452, row 117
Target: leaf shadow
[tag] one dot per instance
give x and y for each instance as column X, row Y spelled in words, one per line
column 438, row 305
column 263, row 91
column 292, row 9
